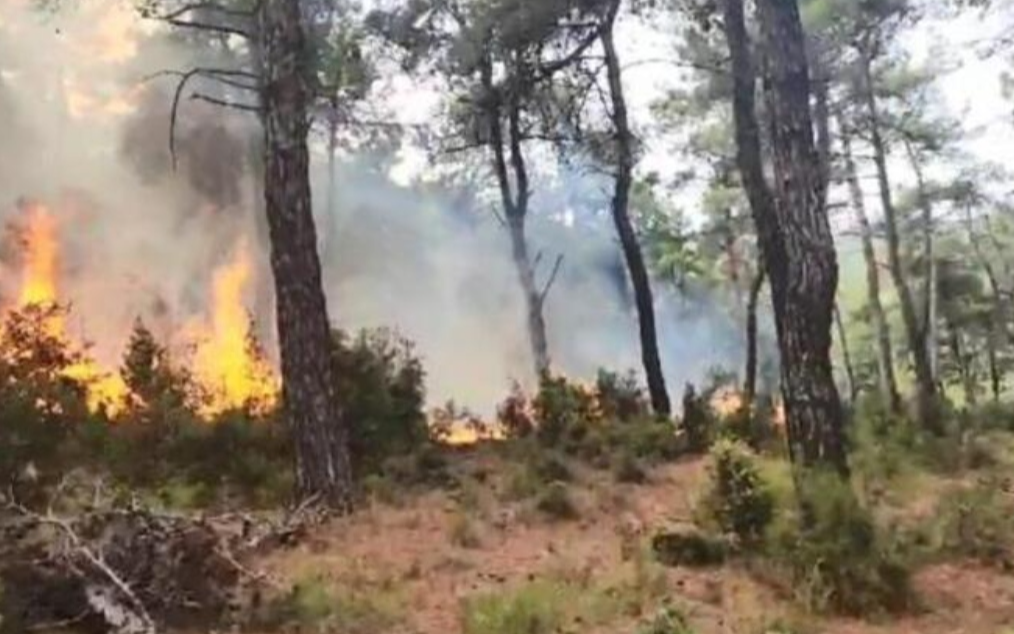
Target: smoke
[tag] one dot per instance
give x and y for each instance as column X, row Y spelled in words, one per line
column 81, row 132
column 435, row 265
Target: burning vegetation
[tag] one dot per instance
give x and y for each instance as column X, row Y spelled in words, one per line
column 229, row 365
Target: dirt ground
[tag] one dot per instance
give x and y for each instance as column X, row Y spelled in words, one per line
column 409, row 546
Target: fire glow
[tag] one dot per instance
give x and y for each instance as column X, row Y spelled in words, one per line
column 231, row 370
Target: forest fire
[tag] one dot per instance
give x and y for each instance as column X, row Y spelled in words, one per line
column 228, row 363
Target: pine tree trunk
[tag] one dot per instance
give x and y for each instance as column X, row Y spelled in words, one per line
column 792, row 225
column 311, row 406
column 750, row 376
column 885, row 355
column 925, row 385
column 533, row 298
column 625, row 229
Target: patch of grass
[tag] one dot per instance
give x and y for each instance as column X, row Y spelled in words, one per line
column 539, row 607
column 314, row 605
column 627, row 469
column 690, row 548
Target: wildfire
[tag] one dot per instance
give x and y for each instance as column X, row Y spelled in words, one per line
column 39, row 280
column 41, row 258
column 228, row 361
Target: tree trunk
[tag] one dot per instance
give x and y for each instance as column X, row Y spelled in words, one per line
column 750, row 377
column 304, row 336
column 331, row 199
column 931, row 300
column 885, row 355
column 515, row 207
column 925, row 385
column 792, row 226
column 850, row 374
column 963, row 361
column 995, row 375
column 625, row 229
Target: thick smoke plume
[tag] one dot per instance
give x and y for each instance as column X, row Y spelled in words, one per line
column 83, row 132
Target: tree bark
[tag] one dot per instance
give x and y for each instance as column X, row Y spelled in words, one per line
column 310, row 401
column 514, row 200
column 925, row 385
column 792, row 226
column 885, row 355
column 753, row 300
column 624, row 139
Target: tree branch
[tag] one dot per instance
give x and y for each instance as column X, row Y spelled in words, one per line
column 225, row 103
column 552, row 278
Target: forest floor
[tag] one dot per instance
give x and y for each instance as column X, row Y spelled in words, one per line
column 441, row 562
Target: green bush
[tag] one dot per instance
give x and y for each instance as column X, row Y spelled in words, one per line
column 537, row 608
column 689, row 548
column 315, row 606
column 738, row 500
column 979, row 523
column 563, row 411
column 379, row 381
column 697, row 422
column 837, row 559
column 620, row 397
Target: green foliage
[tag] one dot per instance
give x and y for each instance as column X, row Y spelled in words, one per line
column 697, row 422
column 689, row 548
column 316, row 606
column 563, row 411
column 738, row 500
column 536, row 608
column 628, row 469
column 837, row 559
column 379, row 381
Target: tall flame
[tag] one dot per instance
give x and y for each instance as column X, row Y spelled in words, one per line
column 41, row 258
column 227, row 361
column 39, row 286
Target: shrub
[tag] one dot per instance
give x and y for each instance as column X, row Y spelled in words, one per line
column 669, row 620
column 837, row 559
column 379, row 381
column 738, row 499
column 696, row 422
column 536, row 608
column 620, row 398
column 627, row 469
column 563, row 411
column 312, row 605
column 690, row 548
column 977, row 523
column 556, row 502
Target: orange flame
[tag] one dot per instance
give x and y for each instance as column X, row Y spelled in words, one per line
column 41, row 258
column 227, row 362
column 39, row 275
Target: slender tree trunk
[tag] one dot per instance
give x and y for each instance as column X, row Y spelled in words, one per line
column 931, row 299
column 995, row 375
column 304, row 335
column 753, row 300
column 850, row 374
column 625, row 228
column 515, row 207
column 926, row 386
column 792, row 225
column 885, row 355
column 963, row 361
